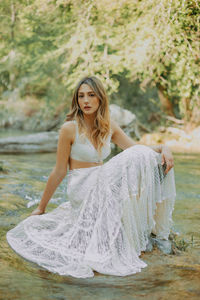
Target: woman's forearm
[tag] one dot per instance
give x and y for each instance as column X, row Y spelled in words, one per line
column 52, row 183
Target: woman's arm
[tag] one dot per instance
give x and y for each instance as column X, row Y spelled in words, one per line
column 121, row 139
column 60, row 170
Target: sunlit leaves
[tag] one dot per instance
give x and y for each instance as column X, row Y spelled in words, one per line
column 59, row 41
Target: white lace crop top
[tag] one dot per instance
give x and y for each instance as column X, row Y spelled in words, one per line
column 83, row 150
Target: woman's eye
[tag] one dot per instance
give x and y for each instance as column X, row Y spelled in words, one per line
column 92, row 95
column 80, row 96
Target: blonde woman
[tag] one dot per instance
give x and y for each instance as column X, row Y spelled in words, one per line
column 112, row 208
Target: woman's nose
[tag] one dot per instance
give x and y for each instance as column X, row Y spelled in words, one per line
column 86, row 99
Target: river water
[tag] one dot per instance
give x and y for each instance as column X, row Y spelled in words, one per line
column 166, row 276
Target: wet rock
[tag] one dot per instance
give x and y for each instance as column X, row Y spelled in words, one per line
column 149, row 246
column 165, row 246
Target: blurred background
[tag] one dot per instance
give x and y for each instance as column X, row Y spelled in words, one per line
column 145, row 52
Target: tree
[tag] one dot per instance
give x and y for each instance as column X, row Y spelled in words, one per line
column 53, row 43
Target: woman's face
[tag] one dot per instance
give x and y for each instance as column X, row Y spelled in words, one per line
column 87, row 99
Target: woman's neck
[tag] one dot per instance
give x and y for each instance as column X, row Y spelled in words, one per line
column 89, row 121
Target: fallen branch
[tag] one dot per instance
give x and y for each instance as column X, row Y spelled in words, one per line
column 177, row 121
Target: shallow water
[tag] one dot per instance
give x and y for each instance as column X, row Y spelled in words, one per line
column 175, row 276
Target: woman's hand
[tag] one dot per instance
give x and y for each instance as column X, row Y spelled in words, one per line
column 167, row 158
column 37, row 211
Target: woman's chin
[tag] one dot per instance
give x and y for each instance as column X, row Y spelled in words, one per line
column 89, row 112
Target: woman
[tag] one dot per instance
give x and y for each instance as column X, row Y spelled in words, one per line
column 112, row 208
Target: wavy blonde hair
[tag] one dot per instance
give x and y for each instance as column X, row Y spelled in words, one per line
column 101, row 127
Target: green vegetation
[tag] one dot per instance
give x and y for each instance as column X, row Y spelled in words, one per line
column 179, row 243
column 47, row 46
column 2, row 168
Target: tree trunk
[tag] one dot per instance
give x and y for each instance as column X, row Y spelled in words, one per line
column 195, row 114
column 187, row 110
column 165, row 102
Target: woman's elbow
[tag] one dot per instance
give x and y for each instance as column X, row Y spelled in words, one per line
column 59, row 173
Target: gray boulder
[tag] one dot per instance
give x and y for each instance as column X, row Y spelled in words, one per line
column 31, row 143
column 125, row 119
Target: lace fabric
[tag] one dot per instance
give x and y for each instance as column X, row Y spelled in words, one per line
column 105, row 224
column 83, row 150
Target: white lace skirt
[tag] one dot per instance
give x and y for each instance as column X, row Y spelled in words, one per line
column 105, row 224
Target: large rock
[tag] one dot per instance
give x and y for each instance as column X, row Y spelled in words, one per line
column 125, row 119
column 122, row 116
column 37, row 142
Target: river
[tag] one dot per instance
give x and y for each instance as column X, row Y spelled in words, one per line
column 166, row 276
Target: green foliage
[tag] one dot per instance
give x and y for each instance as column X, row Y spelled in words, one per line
column 47, row 46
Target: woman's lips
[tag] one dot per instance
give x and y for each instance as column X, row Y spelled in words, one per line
column 87, row 107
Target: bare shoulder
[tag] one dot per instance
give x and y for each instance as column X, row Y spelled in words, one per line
column 67, row 130
column 68, row 126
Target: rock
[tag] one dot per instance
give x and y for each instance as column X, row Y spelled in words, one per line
column 196, row 133
column 172, row 143
column 37, row 142
column 125, row 119
column 122, row 116
column 163, row 245
column 181, row 134
column 149, row 246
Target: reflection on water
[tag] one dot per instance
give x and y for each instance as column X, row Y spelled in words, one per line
column 175, row 276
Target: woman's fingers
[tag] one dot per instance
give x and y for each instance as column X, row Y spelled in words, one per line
column 167, row 158
column 163, row 159
column 169, row 164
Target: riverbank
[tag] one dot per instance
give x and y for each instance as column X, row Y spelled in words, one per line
column 179, row 140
